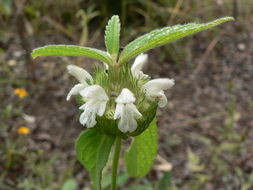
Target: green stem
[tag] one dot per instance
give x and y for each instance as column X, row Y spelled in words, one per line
column 115, row 162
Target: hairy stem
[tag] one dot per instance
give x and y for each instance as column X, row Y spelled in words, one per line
column 115, row 162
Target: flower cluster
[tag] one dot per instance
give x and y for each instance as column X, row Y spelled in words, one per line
column 123, row 95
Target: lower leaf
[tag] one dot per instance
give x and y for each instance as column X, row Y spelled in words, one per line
column 142, row 152
column 93, row 149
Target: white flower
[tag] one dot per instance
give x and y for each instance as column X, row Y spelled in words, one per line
column 154, row 89
column 96, row 100
column 126, row 111
column 95, row 96
column 82, row 76
column 139, row 62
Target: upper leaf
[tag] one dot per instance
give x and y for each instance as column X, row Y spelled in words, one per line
column 112, row 34
column 72, row 50
column 93, row 149
column 165, row 35
column 142, row 152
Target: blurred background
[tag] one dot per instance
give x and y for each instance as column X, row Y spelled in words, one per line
column 206, row 131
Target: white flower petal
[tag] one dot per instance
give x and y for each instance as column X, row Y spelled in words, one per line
column 91, row 109
column 75, row 90
column 88, row 105
column 96, row 100
column 127, row 125
column 138, row 64
column 126, row 96
column 134, row 109
column 102, row 107
column 118, row 111
column 162, row 100
column 156, row 85
column 154, row 90
column 142, row 75
column 88, row 119
column 126, row 111
column 92, row 121
column 94, row 92
column 127, row 122
column 79, row 73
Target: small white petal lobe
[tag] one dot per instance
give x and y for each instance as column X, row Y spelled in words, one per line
column 79, row 73
column 94, row 92
column 75, row 90
column 126, row 96
column 138, row 64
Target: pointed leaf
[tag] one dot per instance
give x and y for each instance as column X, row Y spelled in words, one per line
column 142, row 152
column 112, row 34
column 71, row 50
column 93, row 149
column 165, row 35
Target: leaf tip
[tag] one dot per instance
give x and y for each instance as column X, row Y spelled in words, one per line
column 34, row 54
column 224, row 19
column 228, row 18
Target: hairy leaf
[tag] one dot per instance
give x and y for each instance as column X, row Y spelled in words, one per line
column 93, row 149
column 112, row 34
column 165, row 35
column 142, row 152
column 71, row 50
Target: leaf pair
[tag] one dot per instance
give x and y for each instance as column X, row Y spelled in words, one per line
column 93, row 150
column 146, row 42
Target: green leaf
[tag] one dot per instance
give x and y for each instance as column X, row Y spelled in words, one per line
column 112, row 34
column 71, row 50
column 165, row 35
column 142, row 152
column 93, row 149
column 70, row 184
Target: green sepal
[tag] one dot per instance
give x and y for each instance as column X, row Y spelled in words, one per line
column 93, row 149
column 142, row 152
column 165, row 35
column 72, row 50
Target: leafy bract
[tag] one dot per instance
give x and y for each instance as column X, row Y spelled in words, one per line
column 112, row 34
column 72, row 50
column 93, row 149
column 165, row 35
column 142, row 152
